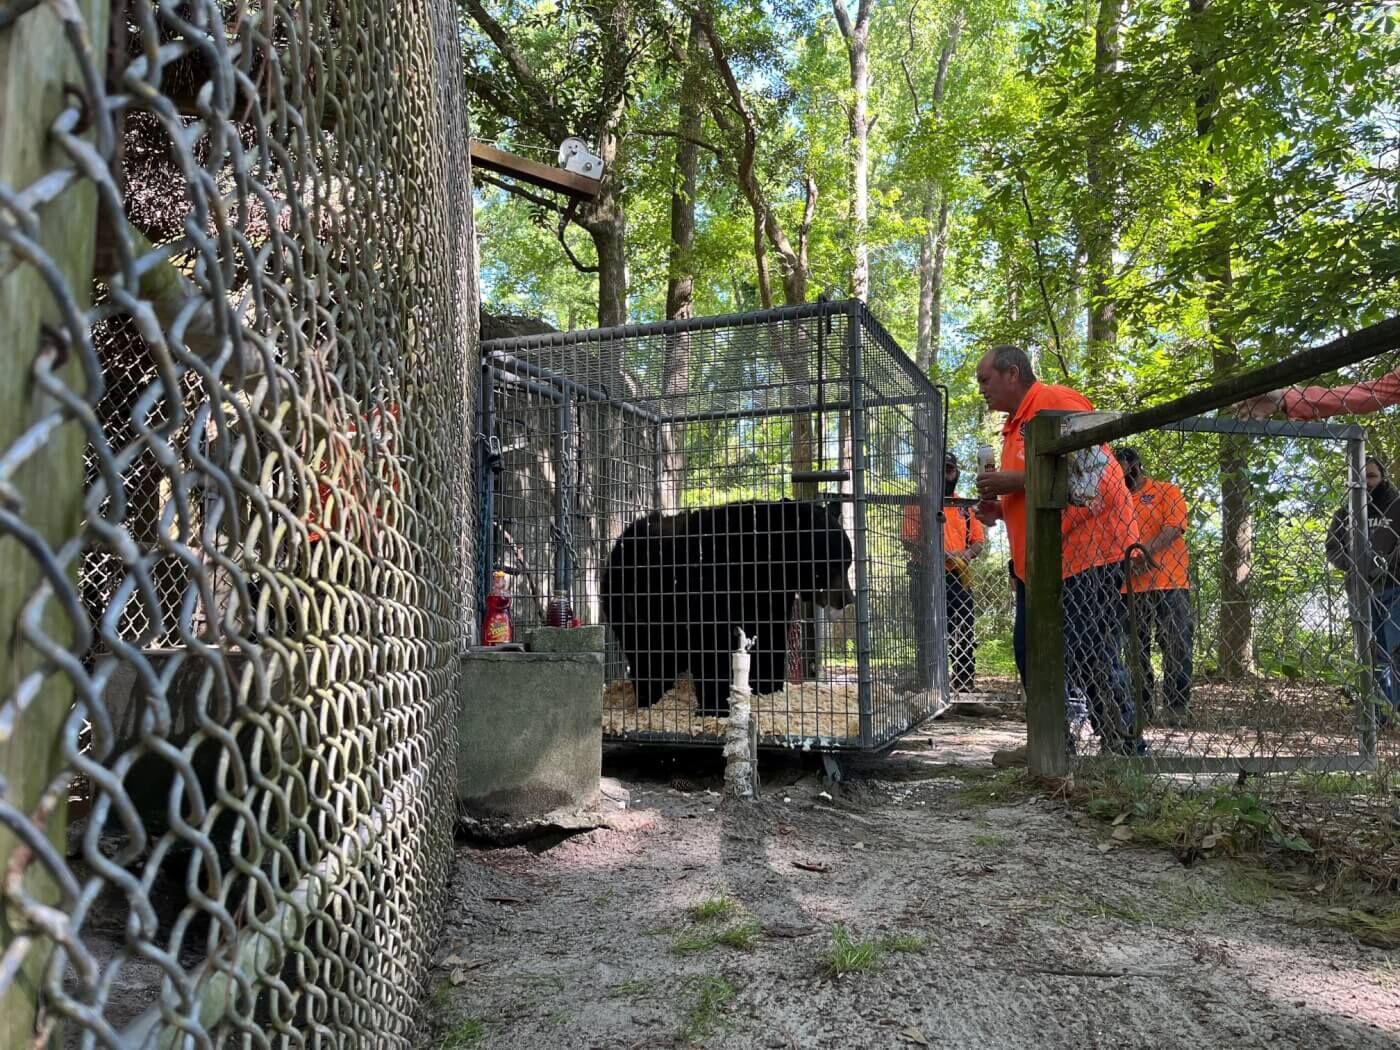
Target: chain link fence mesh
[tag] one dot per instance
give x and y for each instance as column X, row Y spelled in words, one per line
column 235, row 516
column 1228, row 635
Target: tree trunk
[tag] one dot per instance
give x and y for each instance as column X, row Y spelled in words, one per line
column 933, row 246
column 1101, row 234
column 1236, row 643
column 680, row 282
column 857, row 39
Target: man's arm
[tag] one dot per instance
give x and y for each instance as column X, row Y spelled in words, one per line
column 993, row 483
column 1320, row 402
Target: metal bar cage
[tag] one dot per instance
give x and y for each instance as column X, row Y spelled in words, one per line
column 768, row 472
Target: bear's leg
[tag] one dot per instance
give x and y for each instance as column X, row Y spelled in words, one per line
column 711, row 682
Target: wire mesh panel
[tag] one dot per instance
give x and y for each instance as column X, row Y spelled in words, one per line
column 236, row 295
column 1225, row 600
column 683, row 481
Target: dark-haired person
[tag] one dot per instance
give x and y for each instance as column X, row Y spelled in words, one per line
column 1382, row 572
column 1095, row 538
column 963, row 541
column 1160, row 585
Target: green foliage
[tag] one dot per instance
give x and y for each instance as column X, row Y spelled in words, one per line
column 463, row 1034
column 711, row 995
column 713, row 909
column 1191, row 822
column 845, row 956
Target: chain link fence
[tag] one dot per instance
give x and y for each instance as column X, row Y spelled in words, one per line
column 1208, row 611
column 236, row 291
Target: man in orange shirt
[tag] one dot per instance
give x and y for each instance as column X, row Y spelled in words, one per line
column 1160, row 584
column 1095, row 537
column 963, row 540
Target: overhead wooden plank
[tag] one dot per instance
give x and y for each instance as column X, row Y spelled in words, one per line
column 545, row 176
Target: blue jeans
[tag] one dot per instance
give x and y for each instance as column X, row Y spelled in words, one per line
column 1167, row 617
column 1093, row 613
column 1385, row 630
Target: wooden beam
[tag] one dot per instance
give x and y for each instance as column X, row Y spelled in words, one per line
column 1046, row 482
column 36, row 64
column 545, row 176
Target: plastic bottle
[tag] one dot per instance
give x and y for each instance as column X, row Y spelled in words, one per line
column 496, row 628
column 986, row 458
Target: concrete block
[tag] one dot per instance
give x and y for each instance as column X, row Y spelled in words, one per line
column 566, row 639
column 531, row 733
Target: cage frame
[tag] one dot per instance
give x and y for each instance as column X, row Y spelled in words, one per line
column 503, row 358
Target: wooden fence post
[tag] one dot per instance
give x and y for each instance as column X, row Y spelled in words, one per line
column 36, row 62
column 1047, row 490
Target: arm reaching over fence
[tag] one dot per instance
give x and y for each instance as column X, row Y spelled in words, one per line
column 1321, row 402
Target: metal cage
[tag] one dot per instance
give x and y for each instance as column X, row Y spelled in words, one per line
column 679, row 480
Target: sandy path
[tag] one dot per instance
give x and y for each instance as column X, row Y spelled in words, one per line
column 1032, row 935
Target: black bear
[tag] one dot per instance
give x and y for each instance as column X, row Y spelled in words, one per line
column 677, row 586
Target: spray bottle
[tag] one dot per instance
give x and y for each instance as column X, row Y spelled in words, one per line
column 496, row 627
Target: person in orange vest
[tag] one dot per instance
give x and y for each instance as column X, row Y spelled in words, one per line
column 1096, row 531
column 963, row 540
column 1160, row 584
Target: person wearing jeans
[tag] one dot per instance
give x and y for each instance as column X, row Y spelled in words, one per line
column 1382, row 572
column 1096, row 532
column 963, row 540
column 1158, row 590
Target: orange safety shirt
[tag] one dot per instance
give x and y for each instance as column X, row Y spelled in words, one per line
column 1099, row 534
column 960, row 531
column 1160, row 505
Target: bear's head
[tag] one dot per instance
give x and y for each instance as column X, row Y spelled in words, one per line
column 826, row 555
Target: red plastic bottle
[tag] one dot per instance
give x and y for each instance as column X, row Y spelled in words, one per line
column 496, row 627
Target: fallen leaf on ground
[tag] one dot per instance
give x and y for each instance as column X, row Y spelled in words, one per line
column 913, row 1035
column 1119, row 819
column 1123, row 834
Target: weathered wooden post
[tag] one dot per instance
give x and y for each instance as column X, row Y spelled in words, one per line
column 44, row 491
column 1047, row 493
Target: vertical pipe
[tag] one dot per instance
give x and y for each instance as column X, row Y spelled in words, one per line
column 865, row 676
column 1046, row 494
column 487, row 480
column 1359, row 593
column 931, row 511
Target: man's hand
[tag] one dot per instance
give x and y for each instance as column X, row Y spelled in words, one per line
column 988, row 512
column 1261, row 407
column 1141, row 563
column 993, row 483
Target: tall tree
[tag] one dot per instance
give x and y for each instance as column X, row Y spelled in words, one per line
column 605, row 45
column 1100, row 229
column 857, row 37
column 1236, row 651
column 680, row 278
column 933, row 242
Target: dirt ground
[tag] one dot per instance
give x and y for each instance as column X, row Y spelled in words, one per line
column 984, row 923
